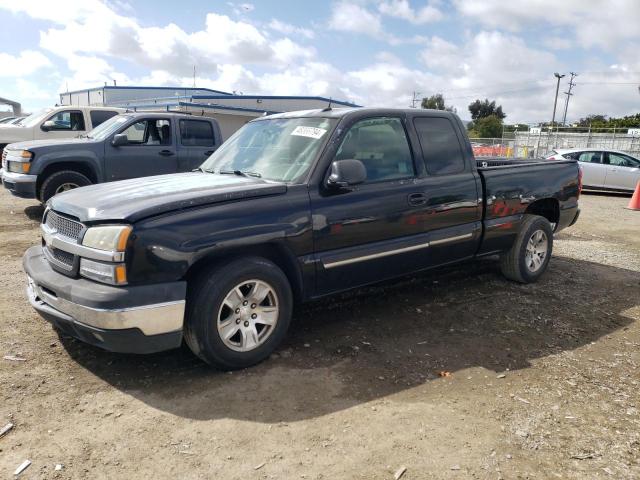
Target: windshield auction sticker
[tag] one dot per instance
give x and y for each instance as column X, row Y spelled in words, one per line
column 311, row 132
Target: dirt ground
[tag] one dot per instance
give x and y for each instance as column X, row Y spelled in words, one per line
column 542, row 382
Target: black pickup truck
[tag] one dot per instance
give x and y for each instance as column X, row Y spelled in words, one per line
column 126, row 146
column 292, row 207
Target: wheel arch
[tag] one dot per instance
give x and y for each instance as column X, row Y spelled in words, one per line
column 83, row 168
column 548, row 208
column 274, row 252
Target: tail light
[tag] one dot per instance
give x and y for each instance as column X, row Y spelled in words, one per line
column 579, row 180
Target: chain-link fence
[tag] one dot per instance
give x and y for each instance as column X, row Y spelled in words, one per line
column 538, row 142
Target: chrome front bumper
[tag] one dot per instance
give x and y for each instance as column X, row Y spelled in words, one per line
column 149, row 319
column 129, row 319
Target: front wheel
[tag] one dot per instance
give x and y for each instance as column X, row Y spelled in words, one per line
column 238, row 312
column 62, row 181
column 529, row 255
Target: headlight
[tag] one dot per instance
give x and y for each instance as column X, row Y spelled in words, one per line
column 112, row 238
column 112, row 273
column 18, row 167
column 18, row 161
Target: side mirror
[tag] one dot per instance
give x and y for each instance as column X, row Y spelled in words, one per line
column 48, row 125
column 119, row 140
column 345, row 173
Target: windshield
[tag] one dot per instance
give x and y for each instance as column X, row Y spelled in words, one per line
column 108, row 127
column 279, row 149
column 35, row 118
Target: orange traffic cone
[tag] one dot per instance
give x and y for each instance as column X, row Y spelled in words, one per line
column 634, row 203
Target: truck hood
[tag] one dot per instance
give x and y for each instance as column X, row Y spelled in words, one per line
column 62, row 143
column 132, row 200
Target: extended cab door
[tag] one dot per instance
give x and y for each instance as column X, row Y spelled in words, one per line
column 452, row 190
column 374, row 230
column 623, row 171
column 151, row 150
column 63, row 124
column 197, row 142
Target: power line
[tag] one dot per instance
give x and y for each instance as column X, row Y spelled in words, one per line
column 609, row 83
column 494, row 94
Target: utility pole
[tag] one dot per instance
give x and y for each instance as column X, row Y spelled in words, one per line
column 568, row 94
column 194, row 76
column 555, row 102
column 414, row 100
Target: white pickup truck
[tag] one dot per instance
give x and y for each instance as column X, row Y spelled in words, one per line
column 57, row 122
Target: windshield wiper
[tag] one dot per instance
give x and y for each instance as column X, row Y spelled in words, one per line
column 241, row 173
column 204, row 170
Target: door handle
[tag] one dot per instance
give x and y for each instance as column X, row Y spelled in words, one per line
column 416, row 199
column 165, row 153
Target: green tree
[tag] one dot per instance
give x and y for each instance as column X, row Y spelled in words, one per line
column 436, row 102
column 484, row 108
column 488, row 127
column 595, row 121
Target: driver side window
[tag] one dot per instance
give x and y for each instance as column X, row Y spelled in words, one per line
column 67, row 120
column 149, row 132
column 381, row 145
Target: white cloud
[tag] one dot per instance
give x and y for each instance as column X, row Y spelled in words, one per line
column 606, row 25
column 557, row 42
column 288, row 29
column 402, row 9
column 351, row 17
column 440, row 54
column 26, row 63
column 93, row 29
column 94, row 42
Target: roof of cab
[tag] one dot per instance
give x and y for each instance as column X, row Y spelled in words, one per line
column 343, row 112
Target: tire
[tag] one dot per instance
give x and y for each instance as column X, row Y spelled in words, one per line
column 530, row 253
column 208, row 314
column 57, row 181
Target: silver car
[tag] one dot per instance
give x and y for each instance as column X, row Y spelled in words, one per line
column 603, row 169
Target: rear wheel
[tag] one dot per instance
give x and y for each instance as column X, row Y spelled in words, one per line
column 529, row 255
column 238, row 312
column 62, row 181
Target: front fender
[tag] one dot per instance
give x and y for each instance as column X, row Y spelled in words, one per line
column 168, row 246
column 86, row 158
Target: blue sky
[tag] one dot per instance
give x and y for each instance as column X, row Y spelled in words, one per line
column 372, row 52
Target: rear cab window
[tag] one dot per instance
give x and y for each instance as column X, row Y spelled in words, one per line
column 197, row 133
column 101, row 116
column 440, row 145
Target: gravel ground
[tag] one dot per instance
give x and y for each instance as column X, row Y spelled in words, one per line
column 452, row 374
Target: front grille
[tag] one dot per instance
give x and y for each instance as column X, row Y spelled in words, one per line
column 64, row 226
column 63, row 257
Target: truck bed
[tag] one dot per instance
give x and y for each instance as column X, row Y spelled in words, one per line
column 513, row 187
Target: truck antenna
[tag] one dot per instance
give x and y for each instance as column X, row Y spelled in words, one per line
column 328, row 108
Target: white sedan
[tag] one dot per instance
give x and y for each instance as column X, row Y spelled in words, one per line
column 603, row 169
